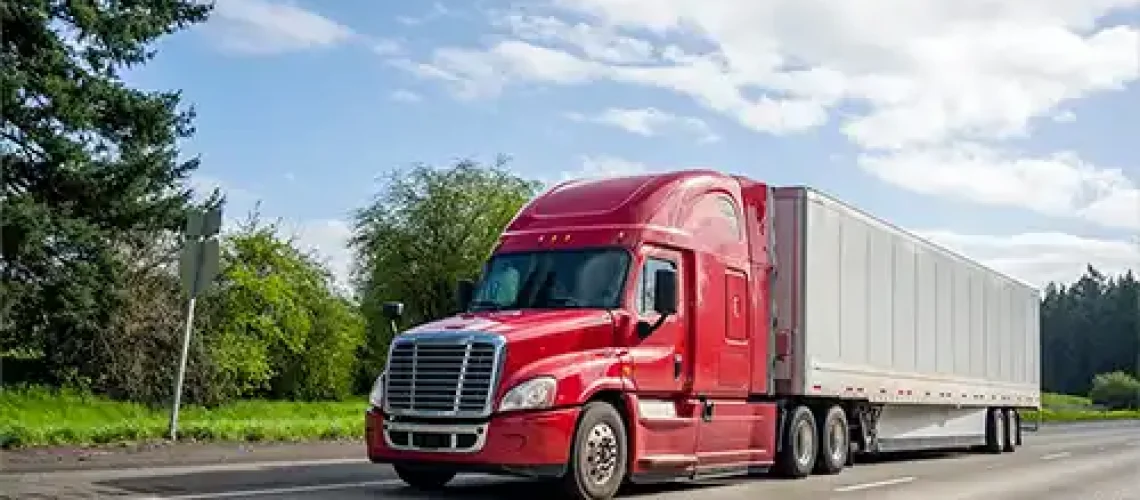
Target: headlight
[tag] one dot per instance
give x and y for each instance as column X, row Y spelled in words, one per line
column 534, row 394
column 376, row 397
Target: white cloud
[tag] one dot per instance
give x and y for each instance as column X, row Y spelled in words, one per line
column 927, row 71
column 594, row 167
column 1060, row 185
column 1039, row 258
column 328, row 239
column 595, row 42
column 1065, row 117
column 932, row 82
column 650, row 122
column 403, row 95
column 262, row 27
column 386, row 47
column 437, row 10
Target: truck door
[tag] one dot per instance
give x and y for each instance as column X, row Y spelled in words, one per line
column 658, row 361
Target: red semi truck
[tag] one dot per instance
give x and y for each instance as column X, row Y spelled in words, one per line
column 695, row 324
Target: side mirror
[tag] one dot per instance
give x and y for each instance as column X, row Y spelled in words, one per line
column 664, row 301
column 464, row 292
column 665, row 292
column 393, row 310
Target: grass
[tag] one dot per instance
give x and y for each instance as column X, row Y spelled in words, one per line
column 47, row 417
column 1066, row 408
column 1050, row 400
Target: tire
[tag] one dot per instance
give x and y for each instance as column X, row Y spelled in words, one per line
column 1009, row 440
column 1017, row 436
column 798, row 445
column 424, row 478
column 995, row 431
column 834, row 439
column 599, row 437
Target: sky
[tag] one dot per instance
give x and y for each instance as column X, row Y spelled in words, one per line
column 1008, row 130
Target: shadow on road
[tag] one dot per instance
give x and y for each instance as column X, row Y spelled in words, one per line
column 269, row 478
column 370, row 481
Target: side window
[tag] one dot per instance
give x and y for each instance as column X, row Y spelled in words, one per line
column 648, row 279
column 728, row 211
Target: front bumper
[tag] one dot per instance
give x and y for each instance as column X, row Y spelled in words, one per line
column 530, row 444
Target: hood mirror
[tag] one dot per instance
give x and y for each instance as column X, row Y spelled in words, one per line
column 393, row 311
column 464, row 292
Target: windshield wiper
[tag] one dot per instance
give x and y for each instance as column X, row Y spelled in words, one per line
column 485, row 305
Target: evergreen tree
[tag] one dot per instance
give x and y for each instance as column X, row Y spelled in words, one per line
column 91, row 168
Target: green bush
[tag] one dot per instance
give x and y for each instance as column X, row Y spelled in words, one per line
column 1117, row 390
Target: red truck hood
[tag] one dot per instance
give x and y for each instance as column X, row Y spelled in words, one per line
column 535, row 334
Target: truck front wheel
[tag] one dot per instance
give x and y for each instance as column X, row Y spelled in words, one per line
column 424, row 478
column 598, row 456
column 798, row 445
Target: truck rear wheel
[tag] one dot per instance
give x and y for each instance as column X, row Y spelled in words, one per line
column 424, row 478
column 598, row 456
column 1017, row 436
column 798, row 445
column 1009, row 441
column 995, row 431
column 834, row 441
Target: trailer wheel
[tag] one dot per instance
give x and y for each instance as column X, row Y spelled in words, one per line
column 995, row 431
column 1009, row 440
column 598, row 455
column 834, row 441
column 798, row 447
column 424, row 478
column 1017, row 436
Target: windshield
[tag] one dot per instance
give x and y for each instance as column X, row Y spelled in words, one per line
column 553, row 279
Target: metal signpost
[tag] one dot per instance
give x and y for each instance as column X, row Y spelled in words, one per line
column 198, row 266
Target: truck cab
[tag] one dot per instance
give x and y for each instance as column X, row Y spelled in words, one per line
column 577, row 354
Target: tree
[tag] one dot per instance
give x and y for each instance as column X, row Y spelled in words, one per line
column 1088, row 328
column 276, row 327
column 1116, row 390
column 425, row 230
column 91, row 169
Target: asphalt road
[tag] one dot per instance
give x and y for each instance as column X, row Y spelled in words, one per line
column 1088, row 462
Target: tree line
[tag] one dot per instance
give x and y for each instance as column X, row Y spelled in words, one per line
column 1091, row 327
column 95, row 191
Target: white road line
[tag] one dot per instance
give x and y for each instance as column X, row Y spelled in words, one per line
column 274, row 491
column 878, row 484
column 189, row 469
column 1054, row 456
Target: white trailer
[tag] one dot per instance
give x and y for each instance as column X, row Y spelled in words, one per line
column 943, row 350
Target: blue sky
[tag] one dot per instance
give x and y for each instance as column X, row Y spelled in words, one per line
column 1006, row 130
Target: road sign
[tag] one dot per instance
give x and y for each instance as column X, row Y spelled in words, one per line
column 203, row 224
column 198, row 265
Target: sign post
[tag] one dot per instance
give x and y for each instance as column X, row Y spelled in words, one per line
column 198, row 266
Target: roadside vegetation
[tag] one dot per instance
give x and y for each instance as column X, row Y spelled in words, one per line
column 96, row 191
column 47, row 417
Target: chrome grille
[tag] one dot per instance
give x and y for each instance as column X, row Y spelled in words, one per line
column 442, row 375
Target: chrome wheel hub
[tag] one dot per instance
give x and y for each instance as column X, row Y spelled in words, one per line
column 804, row 444
column 837, row 442
column 601, row 453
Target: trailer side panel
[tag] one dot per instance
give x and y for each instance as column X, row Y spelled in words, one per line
column 877, row 313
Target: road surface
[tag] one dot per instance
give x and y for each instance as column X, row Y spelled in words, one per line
column 1087, row 462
